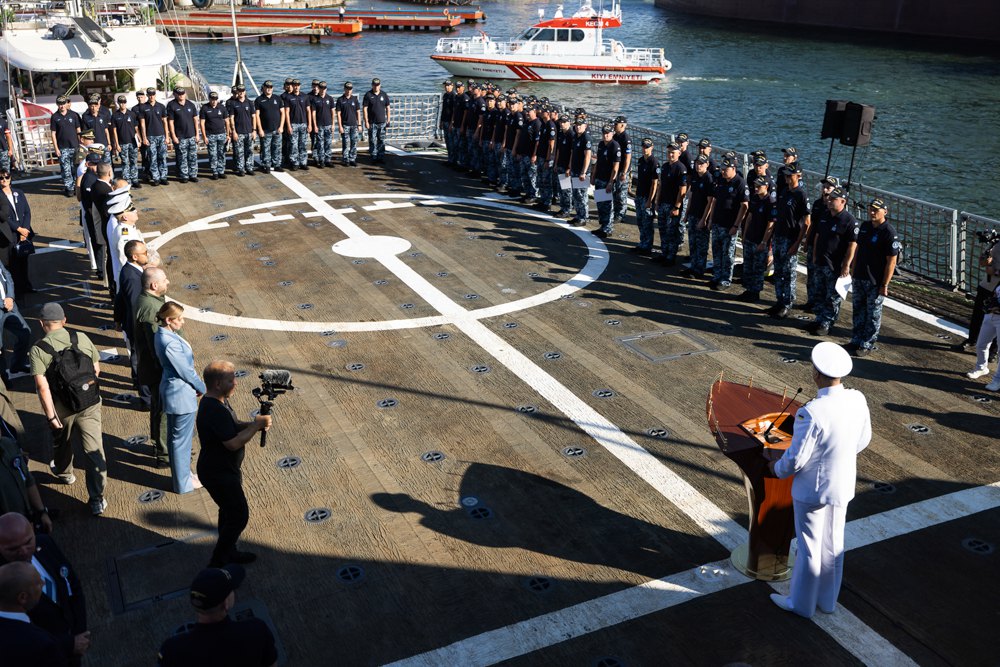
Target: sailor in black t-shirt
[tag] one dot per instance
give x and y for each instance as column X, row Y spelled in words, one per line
column 495, row 147
column 216, row 639
column 65, row 128
column 818, row 211
column 546, row 153
column 515, row 128
column 669, row 202
column 185, row 131
column 682, row 140
column 348, row 119
column 579, row 171
column 564, row 151
column 242, row 129
column 270, row 112
column 139, row 109
column 322, row 120
column 836, row 242
column 444, row 123
column 624, row 178
column 310, row 100
column 455, row 122
column 701, row 184
column 758, row 225
column 124, row 143
column 377, row 108
column 726, row 208
column 647, row 182
column 874, row 264
column 298, row 126
column 794, row 218
column 485, row 139
column 524, row 150
column 609, row 161
column 153, row 127
column 790, row 157
column 761, row 167
column 98, row 119
column 214, row 119
column 223, row 439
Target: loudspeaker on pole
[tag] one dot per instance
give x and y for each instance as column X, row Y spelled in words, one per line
column 833, row 120
column 857, row 129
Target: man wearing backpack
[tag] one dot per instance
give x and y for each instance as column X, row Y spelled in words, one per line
column 66, row 366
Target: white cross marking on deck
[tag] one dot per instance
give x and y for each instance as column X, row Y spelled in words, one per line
column 847, row 630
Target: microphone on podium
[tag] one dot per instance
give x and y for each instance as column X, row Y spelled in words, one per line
column 776, row 419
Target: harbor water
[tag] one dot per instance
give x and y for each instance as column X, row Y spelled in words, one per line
column 936, row 135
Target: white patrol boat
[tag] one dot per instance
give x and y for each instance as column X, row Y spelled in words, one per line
column 571, row 50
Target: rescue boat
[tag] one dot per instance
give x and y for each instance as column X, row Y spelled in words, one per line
column 571, row 50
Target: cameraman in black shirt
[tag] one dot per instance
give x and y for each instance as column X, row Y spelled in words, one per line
column 223, row 438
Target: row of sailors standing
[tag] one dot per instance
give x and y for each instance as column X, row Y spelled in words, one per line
column 524, row 147
column 281, row 123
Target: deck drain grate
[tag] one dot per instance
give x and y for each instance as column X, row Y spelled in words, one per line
column 265, row 258
column 317, row 515
column 442, row 274
column 789, row 360
column 358, row 261
column 357, row 366
column 416, row 254
column 328, row 333
column 481, row 513
column 603, row 393
column 551, row 356
column 253, row 246
column 304, row 306
column 471, row 297
column 150, row 496
column 979, row 398
column 286, row 283
column 387, row 403
column 942, row 336
column 191, row 286
column 470, row 501
column 171, row 258
column 613, row 323
column 480, row 368
column 240, row 373
column 338, row 343
column 442, row 336
column 538, row 584
column 112, row 358
column 366, row 218
column 351, row 574
column 533, row 274
column 583, row 304
column 219, row 338
column 510, row 325
column 268, row 263
column 406, row 306
column 658, row 432
column 526, row 409
column 137, row 440
column 568, row 296
column 432, row 456
column 977, row 546
column 803, row 317
column 920, row 429
column 106, row 327
column 501, row 254
column 122, row 398
column 380, row 282
column 885, row 488
column 574, row 452
column 288, row 462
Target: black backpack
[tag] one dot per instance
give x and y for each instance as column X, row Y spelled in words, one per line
column 71, row 376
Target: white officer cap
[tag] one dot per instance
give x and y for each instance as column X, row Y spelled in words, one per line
column 120, row 204
column 831, row 360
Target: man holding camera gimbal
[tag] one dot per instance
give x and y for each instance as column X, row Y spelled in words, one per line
column 223, row 438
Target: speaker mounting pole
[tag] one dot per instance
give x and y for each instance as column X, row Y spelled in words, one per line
column 850, row 172
column 829, row 157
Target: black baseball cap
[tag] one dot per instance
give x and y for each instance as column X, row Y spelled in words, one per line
column 838, row 193
column 94, row 99
column 62, row 99
column 705, row 143
column 789, row 151
column 681, row 137
column 151, row 91
column 376, row 82
column 239, row 88
column 315, row 82
column 213, row 95
column 267, row 84
column 296, row 82
column 121, row 99
column 288, row 81
column 647, row 143
column 179, row 90
column 701, row 159
column 460, row 84
column 793, row 169
column 348, row 84
column 673, row 147
column 831, row 181
column 322, row 85
column 759, row 160
column 621, row 119
column 95, row 158
column 727, row 163
column 759, row 181
column 213, row 585
column 607, row 129
column 879, row 204
column 140, row 93
column 564, row 118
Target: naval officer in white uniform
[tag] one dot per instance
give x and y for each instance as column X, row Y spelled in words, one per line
column 830, row 432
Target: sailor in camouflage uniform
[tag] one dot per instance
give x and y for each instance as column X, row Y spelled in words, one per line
column 609, row 160
column 625, row 172
column 836, row 243
column 874, row 263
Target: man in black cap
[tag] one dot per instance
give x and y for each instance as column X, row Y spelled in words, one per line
column 65, row 128
column 510, row 167
column 322, row 121
column 310, row 99
column 546, row 153
column 348, row 118
column 57, row 401
column 377, row 116
column 833, row 253
column 242, row 129
column 579, row 167
column 270, row 119
column 214, row 119
column 789, row 156
column 726, row 208
column 216, row 639
column 153, row 125
column 646, row 184
column 791, row 228
column 621, row 184
column 185, row 131
column 139, row 109
column 455, row 122
column 818, row 212
column 485, row 139
column 560, row 176
column 874, row 264
column 758, row 226
column 298, row 126
column 124, row 140
column 683, row 141
column 286, row 138
column 524, row 153
column 503, row 113
column 609, row 160
column 98, row 119
column 759, row 166
column 444, row 123
column 223, row 442
column 669, row 202
column 701, row 184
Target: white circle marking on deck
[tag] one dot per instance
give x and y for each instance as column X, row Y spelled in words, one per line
column 371, row 246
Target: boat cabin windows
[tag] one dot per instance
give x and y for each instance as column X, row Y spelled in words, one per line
column 546, row 35
column 562, row 35
column 527, row 34
column 551, row 35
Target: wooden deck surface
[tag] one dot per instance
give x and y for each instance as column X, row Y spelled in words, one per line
column 561, row 530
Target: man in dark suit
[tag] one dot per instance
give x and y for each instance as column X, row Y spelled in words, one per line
column 23, row 642
column 62, row 608
column 129, row 288
column 100, row 194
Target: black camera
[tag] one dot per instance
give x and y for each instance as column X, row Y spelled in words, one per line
column 272, row 384
column 989, row 238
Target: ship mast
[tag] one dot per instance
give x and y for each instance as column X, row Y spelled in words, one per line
column 240, row 68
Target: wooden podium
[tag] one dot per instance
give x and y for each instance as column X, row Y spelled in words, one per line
column 738, row 416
